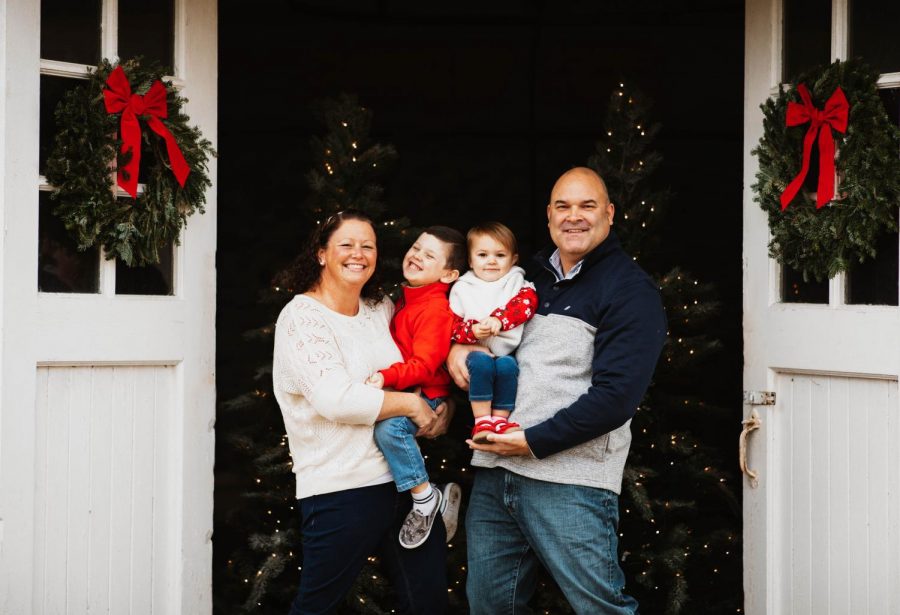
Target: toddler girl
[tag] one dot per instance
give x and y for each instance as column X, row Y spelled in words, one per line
column 490, row 302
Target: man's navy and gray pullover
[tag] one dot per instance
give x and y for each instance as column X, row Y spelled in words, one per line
column 585, row 362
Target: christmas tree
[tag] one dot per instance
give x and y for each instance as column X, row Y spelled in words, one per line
column 346, row 174
column 262, row 576
column 680, row 521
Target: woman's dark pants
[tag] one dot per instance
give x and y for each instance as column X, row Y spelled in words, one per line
column 340, row 530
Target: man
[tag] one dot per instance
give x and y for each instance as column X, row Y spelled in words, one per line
column 549, row 494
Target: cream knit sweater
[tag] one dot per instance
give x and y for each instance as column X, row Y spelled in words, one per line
column 321, row 361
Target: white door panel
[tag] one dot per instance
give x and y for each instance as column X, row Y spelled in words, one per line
column 104, row 538
column 822, row 526
column 845, row 339
column 107, row 402
column 836, row 493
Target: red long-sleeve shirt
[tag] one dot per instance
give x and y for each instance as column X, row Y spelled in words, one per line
column 421, row 328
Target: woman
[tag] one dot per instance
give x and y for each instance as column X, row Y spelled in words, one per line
column 328, row 340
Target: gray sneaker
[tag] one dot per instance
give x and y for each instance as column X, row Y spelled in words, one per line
column 452, row 494
column 416, row 527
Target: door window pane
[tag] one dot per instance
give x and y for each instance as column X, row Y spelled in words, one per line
column 875, row 281
column 52, row 91
column 61, row 267
column 795, row 290
column 891, row 100
column 148, row 280
column 148, row 138
column 70, row 30
column 873, row 33
column 147, row 28
column 807, row 36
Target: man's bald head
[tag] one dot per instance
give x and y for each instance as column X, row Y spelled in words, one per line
column 579, row 214
column 584, row 174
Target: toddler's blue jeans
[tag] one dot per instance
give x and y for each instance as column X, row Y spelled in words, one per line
column 493, row 379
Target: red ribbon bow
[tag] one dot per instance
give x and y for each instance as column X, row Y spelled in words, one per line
column 118, row 98
column 834, row 115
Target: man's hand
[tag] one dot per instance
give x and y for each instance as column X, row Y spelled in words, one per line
column 456, row 363
column 443, row 415
column 505, row 444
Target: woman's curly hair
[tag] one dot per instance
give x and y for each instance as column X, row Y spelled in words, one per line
column 305, row 272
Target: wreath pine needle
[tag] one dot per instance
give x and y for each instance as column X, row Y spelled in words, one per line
column 822, row 243
column 87, row 149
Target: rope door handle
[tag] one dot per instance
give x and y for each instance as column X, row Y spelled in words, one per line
column 750, row 424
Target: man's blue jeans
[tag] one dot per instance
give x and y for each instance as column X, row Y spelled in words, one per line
column 493, row 379
column 514, row 523
column 396, row 438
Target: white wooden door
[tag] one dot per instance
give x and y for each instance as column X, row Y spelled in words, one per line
column 107, row 382
column 822, row 526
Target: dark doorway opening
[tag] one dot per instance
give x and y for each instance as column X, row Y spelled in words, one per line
column 486, row 104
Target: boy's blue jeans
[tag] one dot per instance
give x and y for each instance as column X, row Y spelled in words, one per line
column 396, row 437
column 493, row 379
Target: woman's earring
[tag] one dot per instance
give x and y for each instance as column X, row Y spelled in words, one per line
column 321, row 263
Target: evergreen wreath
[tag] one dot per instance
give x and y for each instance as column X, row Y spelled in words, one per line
column 88, row 145
column 821, row 243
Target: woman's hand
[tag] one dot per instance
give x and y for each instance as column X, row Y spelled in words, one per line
column 420, row 412
column 443, row 415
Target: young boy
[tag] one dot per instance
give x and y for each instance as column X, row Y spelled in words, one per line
column 489, row 303
column 421, row 328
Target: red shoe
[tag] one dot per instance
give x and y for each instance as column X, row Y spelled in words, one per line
column 481, row 430
column 504, row 426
